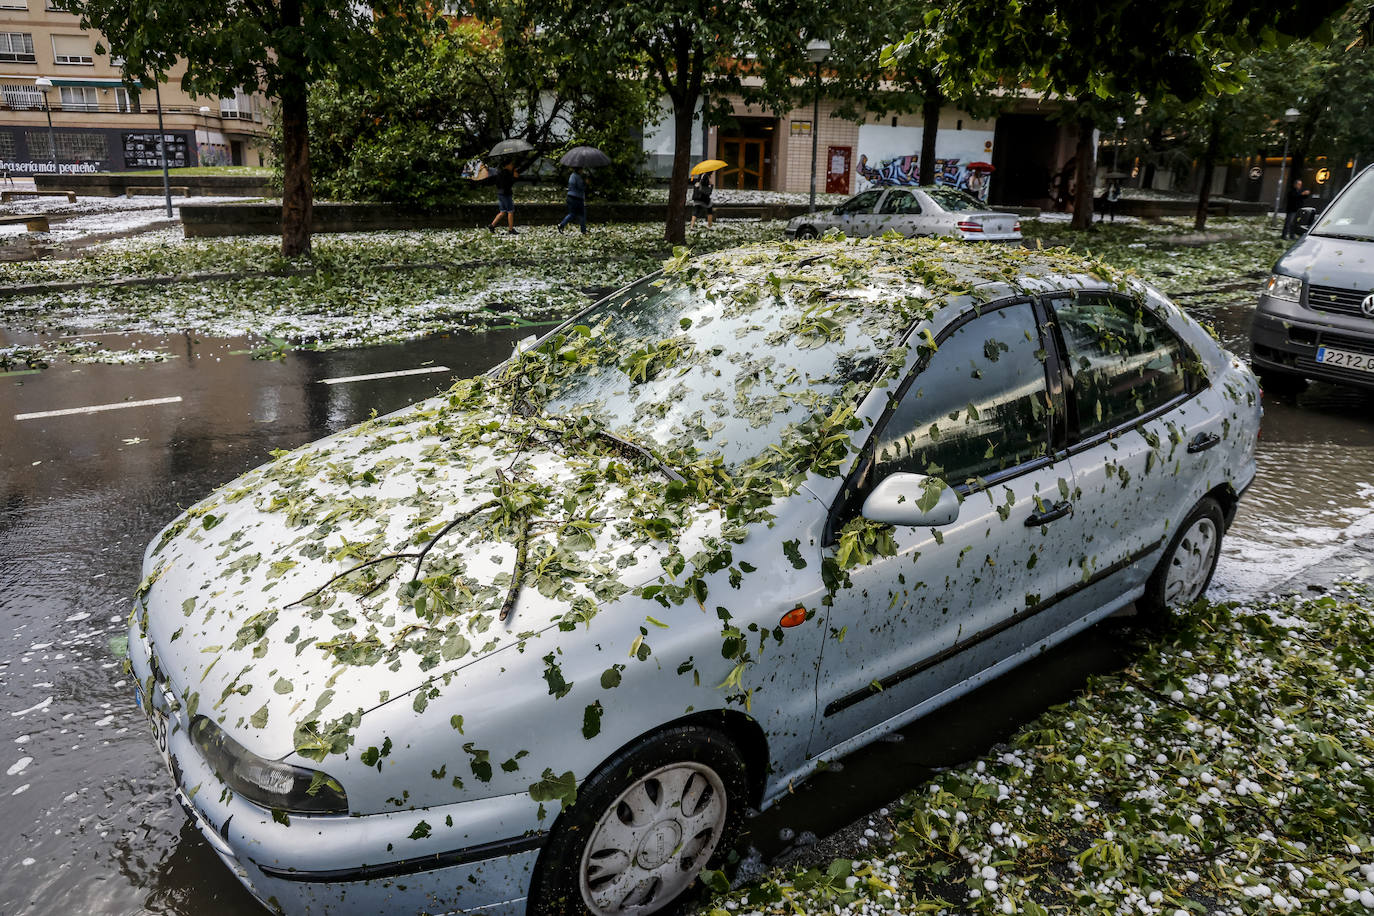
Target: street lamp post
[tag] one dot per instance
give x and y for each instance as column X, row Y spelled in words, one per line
column 205, row 117
column 45, row 84
column 1290, row 116
column 817, row 50
column 162, row 147
column 1116, row 141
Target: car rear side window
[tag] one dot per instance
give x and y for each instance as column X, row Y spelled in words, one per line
column 862, row 203
column 979, row 407
column 1124, row 360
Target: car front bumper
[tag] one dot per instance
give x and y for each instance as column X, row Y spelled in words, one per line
column 349, row 864
column 1285, row 337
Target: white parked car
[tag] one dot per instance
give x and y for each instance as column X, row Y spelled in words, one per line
column 911, row 211
column 536, row 644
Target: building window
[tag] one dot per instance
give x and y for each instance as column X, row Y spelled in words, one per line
column 79, row 98
column 72, row 146
column 14, row 5
column 6, row 145
column 239, row 107
column 21, row 98
column 17, row 48
column 125, row 100
column 71, row 49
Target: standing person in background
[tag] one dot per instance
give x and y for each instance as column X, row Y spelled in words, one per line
column 577, row 201
column 1297, row 199
column 505, row 197
column 701, row 200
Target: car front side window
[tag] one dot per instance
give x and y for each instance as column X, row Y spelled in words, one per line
column 1123, row 359
column 862, row 203
column 978, row 408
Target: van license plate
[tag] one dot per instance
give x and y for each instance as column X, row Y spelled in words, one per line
column 1344, row 359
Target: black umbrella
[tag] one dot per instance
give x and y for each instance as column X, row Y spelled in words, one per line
column 510, row 147
column 587, row 157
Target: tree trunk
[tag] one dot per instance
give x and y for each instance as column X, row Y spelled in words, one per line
column 1086, row 176
column 675, row 233
column 1209, row 164
column 297, row 194
column 930, row 126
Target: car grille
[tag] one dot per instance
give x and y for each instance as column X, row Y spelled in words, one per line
column 1344, row 342
column 1334, row 299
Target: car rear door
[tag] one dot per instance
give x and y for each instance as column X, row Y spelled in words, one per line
column 1142, row 443
column 943, row 607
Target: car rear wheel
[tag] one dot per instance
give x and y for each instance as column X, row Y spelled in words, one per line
column 644, row 826
column 1189, row 561
column 807, row 232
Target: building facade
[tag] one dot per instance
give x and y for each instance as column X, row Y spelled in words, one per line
column 65, row 109
column 1013, row 159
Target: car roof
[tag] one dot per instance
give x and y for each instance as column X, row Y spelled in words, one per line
column 871, row 272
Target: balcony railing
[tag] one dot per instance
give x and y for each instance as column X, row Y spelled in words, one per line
column 119, row 108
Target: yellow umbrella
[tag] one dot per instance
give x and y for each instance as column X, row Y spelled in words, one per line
column 710, row 165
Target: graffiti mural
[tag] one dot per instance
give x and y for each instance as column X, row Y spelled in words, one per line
column 906, row 170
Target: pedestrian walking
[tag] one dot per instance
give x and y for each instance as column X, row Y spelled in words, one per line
column 577, row 200
column 701, row 200
column 505, row 197
column 1297, row 199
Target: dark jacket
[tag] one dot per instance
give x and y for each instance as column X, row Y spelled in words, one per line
column 1297, row 199
column 505, row 181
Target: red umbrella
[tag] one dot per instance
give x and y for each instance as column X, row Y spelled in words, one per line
column 981, row 167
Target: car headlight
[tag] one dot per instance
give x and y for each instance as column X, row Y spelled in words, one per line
column 1281, row 287
column 279, row 786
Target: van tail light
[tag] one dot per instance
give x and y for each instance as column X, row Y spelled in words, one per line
column 965, row 225
column 1016, row 227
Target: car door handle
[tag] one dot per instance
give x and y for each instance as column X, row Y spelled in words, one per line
column 1202, row 442
column 1053, row 513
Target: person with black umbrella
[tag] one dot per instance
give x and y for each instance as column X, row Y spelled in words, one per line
column 577, row 200
column 505, row 197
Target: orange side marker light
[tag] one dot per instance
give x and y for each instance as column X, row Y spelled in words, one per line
column 794, row 617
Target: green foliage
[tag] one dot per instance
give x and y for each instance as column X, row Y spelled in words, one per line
column 447, row 96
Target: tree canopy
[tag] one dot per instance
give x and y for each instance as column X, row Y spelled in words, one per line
column 282, row 48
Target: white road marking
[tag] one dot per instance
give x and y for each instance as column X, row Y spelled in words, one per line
column 426, row 370
column 70, row 411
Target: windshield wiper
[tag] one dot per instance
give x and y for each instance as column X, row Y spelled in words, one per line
column 641, row 451
column 1349, row 238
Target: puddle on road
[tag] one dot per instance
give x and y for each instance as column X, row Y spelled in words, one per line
column 80, row 497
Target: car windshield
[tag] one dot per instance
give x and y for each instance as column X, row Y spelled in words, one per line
column 1352, row 214
column 693, row 371
column 955, row 201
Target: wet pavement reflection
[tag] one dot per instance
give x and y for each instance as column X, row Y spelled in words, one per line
column 92, row 823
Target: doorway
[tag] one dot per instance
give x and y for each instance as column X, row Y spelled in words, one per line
column 1024, row 149
column 748, row 152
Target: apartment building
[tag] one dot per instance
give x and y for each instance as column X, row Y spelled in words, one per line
column 64, row 107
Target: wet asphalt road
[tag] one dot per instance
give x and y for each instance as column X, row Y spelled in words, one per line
column 92, row 826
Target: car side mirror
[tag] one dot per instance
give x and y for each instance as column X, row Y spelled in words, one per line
column 1306, row 217
column 912, row 499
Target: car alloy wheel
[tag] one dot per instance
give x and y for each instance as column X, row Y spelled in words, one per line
column 651, row 843
column 807, row 232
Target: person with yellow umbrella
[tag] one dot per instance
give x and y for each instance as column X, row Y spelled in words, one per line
column 701, row 190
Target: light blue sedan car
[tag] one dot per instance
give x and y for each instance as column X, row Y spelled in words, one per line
column 536, row 644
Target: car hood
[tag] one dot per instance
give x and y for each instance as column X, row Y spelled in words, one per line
column 1346, row 263
column 253, row 616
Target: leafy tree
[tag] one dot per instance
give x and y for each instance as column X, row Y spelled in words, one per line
column 282, row 47
column 447, row 97
column 683, row 48
column 1099, row 58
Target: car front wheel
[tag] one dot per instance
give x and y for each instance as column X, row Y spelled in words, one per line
column 1186, row 569
column 807, row 232
column 644, row 826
